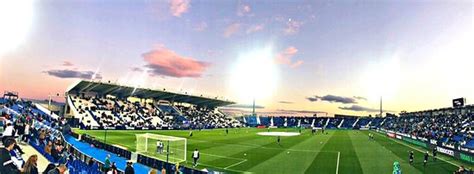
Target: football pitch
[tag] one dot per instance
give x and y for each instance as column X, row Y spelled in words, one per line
column 338, row 151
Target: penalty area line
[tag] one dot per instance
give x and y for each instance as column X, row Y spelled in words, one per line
column 212, row 166
column 233, row 165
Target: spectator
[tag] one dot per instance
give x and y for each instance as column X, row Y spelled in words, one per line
column 48, row 147
column 6, row 162
column 107, row 163
column 31, row 165
column 50, row 167
column 9, row 132
column 129, row 169
column 26, row 135
column 113, row 169
column 91, row 162
column 58, row 170
column 20, row 128
column 42, row 136
column 153, row 171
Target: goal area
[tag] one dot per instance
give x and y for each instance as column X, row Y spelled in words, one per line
column 165, row 148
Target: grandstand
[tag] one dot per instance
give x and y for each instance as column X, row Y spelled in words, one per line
column 110, row 117
column 104, row 105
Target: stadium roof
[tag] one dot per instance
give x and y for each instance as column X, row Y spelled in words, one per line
column 127, row 91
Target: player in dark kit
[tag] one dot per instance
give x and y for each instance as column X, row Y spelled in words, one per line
column 434, row 153
column 226, row 130
column 426, row 158
column 411, row 157
column 278, row 140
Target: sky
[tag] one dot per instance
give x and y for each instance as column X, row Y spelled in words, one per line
column 338, row 57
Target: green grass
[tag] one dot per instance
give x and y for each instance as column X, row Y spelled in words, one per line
column 245, row 151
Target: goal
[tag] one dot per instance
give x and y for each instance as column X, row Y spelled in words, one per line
column 165, row 148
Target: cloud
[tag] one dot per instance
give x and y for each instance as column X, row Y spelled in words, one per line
column 292, row 26
column 232, row 29
column 312, row 99
column 137, row 69
column 165, row 62
column 296, row 64
column 244, row 10
column 67, row 63
column 285, row 102
column 201, row 26
column 244, row 106
column 301, row 111
column 358, row 108
column 360, row 98
column 66, row 73
column 255, row 28
column 333, row 99
column 178, row 7
column 286, row 55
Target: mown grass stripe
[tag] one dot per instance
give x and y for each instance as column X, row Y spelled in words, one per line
column 434, row 167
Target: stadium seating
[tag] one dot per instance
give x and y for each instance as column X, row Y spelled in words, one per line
column 113, row 113
column 450, row 129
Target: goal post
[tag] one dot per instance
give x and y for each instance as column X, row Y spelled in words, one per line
column 166, row 148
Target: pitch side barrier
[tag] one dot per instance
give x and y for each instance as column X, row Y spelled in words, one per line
column 463, row 154
column 142, row 159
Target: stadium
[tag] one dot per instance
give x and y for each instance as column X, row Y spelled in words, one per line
column 283, row 87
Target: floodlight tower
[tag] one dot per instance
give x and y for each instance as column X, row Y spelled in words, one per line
column 381, row 111
column 253, row 108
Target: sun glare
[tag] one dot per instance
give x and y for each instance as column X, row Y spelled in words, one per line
column 254, row 75
column 16, row 17
column 382, row 79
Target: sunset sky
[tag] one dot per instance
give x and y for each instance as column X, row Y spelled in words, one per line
column 332, row 56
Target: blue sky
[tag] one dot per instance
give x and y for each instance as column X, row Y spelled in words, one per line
column 320, row 47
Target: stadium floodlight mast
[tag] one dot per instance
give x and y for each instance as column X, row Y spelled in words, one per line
column 381, row 80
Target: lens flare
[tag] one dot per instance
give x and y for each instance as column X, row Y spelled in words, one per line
column 17, row 18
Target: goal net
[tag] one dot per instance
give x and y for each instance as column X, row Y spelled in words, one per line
column 165, row 148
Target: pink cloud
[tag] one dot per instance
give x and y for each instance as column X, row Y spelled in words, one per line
column 165, row 62
column 232, row 29
column 296, row 64
column 179, row 7
column 67, row 63
column 243, row 10
column 286, row 55
column 292, row 26
column 255, row 28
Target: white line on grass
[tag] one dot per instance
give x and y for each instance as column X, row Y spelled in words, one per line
column 337, row 164
column 212, row 166
column 421, row 151
column 208, row 154
column 261, row 147
column 235, row 164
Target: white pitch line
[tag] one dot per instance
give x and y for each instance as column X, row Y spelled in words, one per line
column 337, row 165
column 235, row 164
column 262, row 147
column 212, row 166
column 208, row 154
